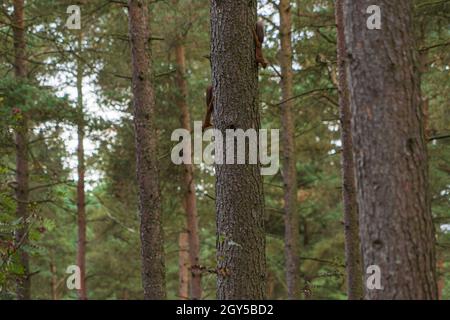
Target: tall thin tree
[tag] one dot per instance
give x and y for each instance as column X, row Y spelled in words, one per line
column 351, row 220
column 291, row 221
column 396, row 228
column 21, row 139
column 189, row 198
column 241, row 269
column 81, row 203
column 152, row 250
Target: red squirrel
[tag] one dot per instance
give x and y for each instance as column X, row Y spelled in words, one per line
column 209, row 108
column 258, row 34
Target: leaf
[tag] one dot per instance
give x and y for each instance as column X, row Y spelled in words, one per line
column 49, row 224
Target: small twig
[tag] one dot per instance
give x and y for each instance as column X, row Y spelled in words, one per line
column 439, row 137
column 208, row 196
column 304, row 94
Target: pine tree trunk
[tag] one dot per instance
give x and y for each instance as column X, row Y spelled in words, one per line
column 396, row 228
column 21, row 139
column 239, row 190
column 291, row 221
column 81, row 203
column 351, row 220
column 189, row 200
column 152, row 250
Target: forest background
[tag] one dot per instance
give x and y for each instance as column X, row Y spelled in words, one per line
column 78, row 89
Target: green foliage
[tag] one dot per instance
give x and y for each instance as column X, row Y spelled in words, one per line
column 23, row 97
column 113, row 247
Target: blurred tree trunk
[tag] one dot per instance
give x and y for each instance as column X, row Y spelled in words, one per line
column 305, row 232
column 396, row 229
column 54, row 278
column 441, row 278
column 21, row 141
column 183, row 266
column 81, row 203
column 189, row 200
column 291, row 220
column 241, row 263
column 270, row 286
column 351, row 220
column 153, row 266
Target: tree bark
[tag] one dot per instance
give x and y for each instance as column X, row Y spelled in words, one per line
column 152, row 251
column 81, row 203
column 396, row 228
column 189, row 198
column 353, row 259
column 21, row 142
column 291, row 220
column 241, row 269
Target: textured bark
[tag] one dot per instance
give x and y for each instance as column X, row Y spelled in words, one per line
column 239, row 190
column 152, row 251
column 189, row 199
column 291, row 221
column 183, row 266
column 396, row 229
column 424, row 68
column 81, row 203
column 353, row 259
column 21, row 140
